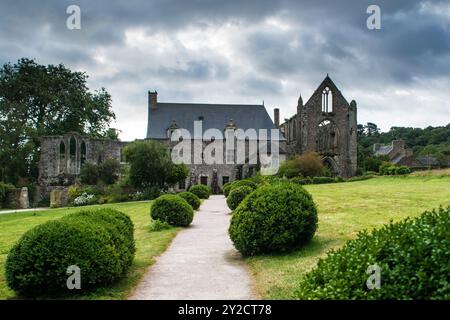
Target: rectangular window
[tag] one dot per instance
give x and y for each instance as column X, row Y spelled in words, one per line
column 182, row 185
column 204, row 180
column 225, row 179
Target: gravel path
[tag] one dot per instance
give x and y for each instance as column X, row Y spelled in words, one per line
column 201, row 263
column 22, row 210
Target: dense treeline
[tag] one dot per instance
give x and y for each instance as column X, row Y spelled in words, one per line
column 430, row 141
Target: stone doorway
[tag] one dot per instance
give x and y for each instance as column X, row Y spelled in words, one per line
column 331, row 165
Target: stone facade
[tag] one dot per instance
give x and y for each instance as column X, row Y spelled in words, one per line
column 165, row 117
column 217, row 174
column 326, row 124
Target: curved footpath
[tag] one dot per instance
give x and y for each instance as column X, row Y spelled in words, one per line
column 201, row 263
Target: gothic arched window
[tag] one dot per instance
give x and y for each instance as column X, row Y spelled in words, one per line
column 72, row 146
column 327, row 100
column 83, row 153
column 62, row 156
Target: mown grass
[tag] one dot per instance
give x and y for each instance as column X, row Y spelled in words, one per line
column 344, row 210
column 148, row 244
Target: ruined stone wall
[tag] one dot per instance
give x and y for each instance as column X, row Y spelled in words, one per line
column 18, row 199
column 305, row 135
column 61, row 157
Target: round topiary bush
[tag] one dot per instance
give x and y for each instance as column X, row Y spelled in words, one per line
column 172, row 209
column 191, row 198
column 237, row 195
column 226, row 188
column 274, row 218
column 240, row 183
column 100, row 243
column 411, row 255
column 201, row 191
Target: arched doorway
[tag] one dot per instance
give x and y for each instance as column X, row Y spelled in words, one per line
column 331, row 165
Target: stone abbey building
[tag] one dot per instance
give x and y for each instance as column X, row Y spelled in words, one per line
column 326, row 124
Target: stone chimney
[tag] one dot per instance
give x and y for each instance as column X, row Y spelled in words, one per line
column 152, row 100
column 398, row 146
column 276, row 117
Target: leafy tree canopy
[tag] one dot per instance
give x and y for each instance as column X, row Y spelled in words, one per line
column 151, row 165
column 37, row 100
column 432, row 141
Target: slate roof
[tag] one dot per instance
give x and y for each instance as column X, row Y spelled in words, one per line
column 427, row 161
column 397, row 159
column 383, row 150
column 214, row 116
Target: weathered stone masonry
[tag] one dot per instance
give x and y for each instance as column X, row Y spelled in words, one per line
column 325, row 124
column 61, row 158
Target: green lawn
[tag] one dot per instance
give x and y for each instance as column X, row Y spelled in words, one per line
column 345, row 209
column 148, row 244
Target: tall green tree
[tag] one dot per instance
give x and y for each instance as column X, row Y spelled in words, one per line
column 151, row 165
column 37, row 100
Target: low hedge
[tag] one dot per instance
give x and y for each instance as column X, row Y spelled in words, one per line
column 201, row 191
column 316, row 180
column 413, row 257
column 390, row 169
column 172, row 209
column 99, row 242
column 273, row 218
column 191, row 198
column 237, row 195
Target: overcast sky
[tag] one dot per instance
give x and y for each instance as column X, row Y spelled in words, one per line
column 245, row 52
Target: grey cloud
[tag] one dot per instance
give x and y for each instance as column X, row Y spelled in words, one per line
column 323, row 37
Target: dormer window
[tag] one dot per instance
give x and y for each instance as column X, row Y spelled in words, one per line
column 173, row 126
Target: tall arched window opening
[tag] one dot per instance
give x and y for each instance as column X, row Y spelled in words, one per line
column 327, row 138
column 62, row 157
column 83, row 153
column 327, row 100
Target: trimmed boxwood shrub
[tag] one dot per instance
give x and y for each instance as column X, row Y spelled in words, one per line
column 172, row 209
column 99, row 242
column 413, row 256
column 201, row 191
column 274, row 218
column 226, row 188
column 237, row 195
column 402, row 170
column 240, row 183
column 191, row 198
